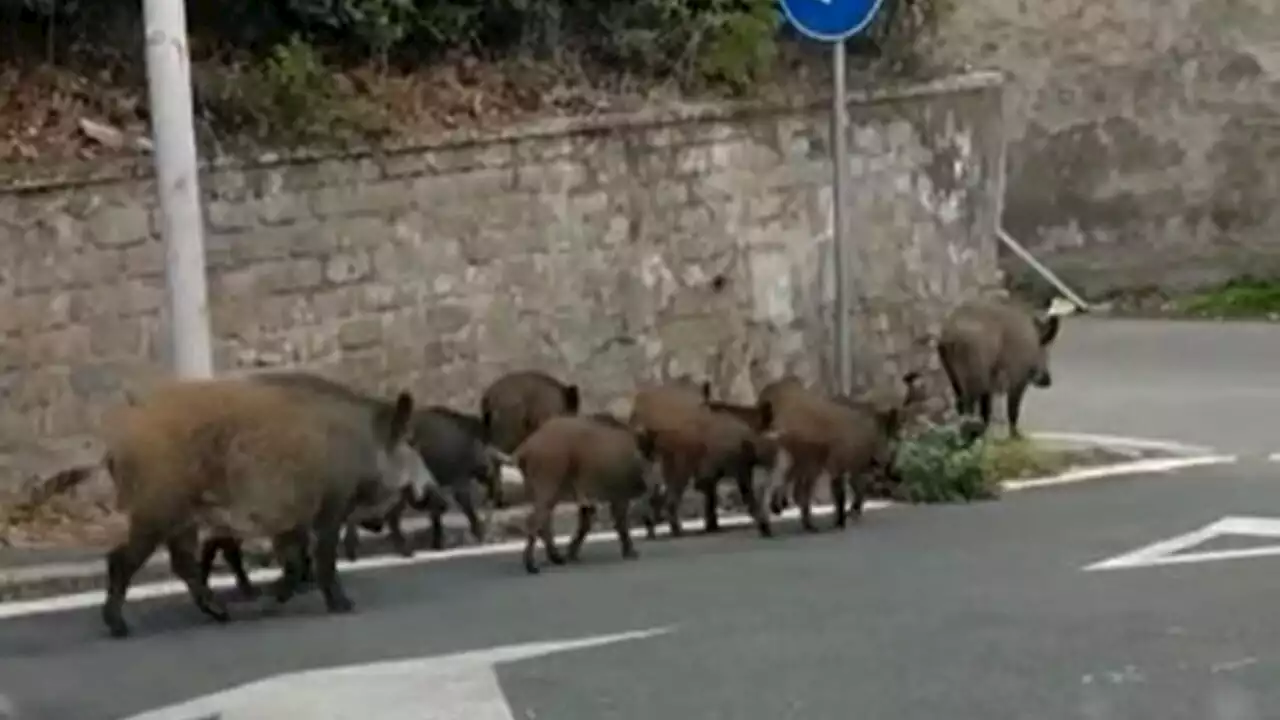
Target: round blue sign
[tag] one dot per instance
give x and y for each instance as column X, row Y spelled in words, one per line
column 830, row 20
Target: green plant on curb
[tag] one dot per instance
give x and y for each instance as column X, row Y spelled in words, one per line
column 943, row 463
column 1238, row 298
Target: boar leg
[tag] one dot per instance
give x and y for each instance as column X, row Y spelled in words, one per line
column 710, row 518
column 393, row 516
column 804, row 498
column 984, row 409
column 586, row 515
column 466, row 498
column 183, row 549
column 622, row 524
column 1013, row 408
column 351, row 539
column 746, row 488
column 328, row 528
column 839, row 497
column 123, row 562
column 291, row 553
column 859, row 482
column 234, row 557
column 537, row 525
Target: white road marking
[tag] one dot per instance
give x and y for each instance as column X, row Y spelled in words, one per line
column 1168, row 552
column 1135, row 467
column 1172, row 446
column 461, row 686
column 141, row 591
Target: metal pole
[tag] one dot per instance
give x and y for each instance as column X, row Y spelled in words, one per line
column 840, row 165
column 1040, row 268
column 178, row 182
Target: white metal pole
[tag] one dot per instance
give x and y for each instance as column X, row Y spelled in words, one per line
column 178, row 182
column 840, row 254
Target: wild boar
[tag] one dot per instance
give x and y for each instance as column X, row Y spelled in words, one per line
column 251, row 461
column 825, row 437
column 591, row 461
column 514, row 405
column 991, row 347
column 452, row 446
column 695, row 444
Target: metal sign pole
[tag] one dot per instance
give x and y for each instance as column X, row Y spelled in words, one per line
column 840, row 254
column 835, row 21
column 178, row 182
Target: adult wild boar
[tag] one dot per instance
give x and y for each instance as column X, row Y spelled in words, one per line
column 991, row 347
column 591, row 461
column 844, row 441
column 695, row 444
column 514, row 405
column 250, row 460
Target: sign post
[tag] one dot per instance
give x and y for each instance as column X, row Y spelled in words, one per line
column 835, row 21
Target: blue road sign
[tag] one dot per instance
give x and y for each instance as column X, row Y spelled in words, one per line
column 831, row 20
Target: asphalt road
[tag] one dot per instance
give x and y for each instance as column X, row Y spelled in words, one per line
column 1208, row 383
column 972, row 612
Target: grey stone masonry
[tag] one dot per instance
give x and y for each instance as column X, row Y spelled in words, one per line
column 607, row 250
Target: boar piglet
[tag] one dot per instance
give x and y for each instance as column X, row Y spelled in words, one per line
column 514, row 405
column 992, row 347
column 452, row 446
column 591, row 462
column 252, row 461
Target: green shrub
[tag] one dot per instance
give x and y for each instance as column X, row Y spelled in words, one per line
column 940, row 464
column 292, row 96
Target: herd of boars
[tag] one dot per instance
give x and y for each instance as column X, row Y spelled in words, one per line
column 300, row 461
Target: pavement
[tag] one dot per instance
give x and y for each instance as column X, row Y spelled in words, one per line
column 992, row 610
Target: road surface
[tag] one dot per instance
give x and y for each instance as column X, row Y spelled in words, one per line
column 1207, row 383
column 959, row 612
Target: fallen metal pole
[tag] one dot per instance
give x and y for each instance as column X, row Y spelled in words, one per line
column 1040, row 268
column 178, row 183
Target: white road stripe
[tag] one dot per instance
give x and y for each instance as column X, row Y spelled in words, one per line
column 1172, row 446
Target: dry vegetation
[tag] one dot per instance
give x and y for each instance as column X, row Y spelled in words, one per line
column 302, row 73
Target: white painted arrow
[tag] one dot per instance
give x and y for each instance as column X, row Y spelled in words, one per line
column 462, row 686
column 1169, row 552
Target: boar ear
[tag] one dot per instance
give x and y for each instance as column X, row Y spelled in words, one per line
column 572, row 399
column 398, row 422
column 1048, row 328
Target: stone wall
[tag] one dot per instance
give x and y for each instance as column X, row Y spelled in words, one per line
column 1144, row 134
column 609, row 251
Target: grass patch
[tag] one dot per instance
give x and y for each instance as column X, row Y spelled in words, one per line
column 945, row 464
column 1240, row 298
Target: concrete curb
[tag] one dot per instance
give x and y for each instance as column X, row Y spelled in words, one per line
column 53, row 586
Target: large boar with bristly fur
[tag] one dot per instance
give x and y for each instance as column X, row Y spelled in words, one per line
column 253, row 461
column 590, row 461
column 695, row 444
column 514, row 405
column 992, row 347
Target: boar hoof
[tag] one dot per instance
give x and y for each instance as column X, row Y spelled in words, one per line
column 531, row 568
column 766, row 531
column 214, row 608
column 556, row 559
column 630, row 554
column 339, row 604
column 116, row 626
